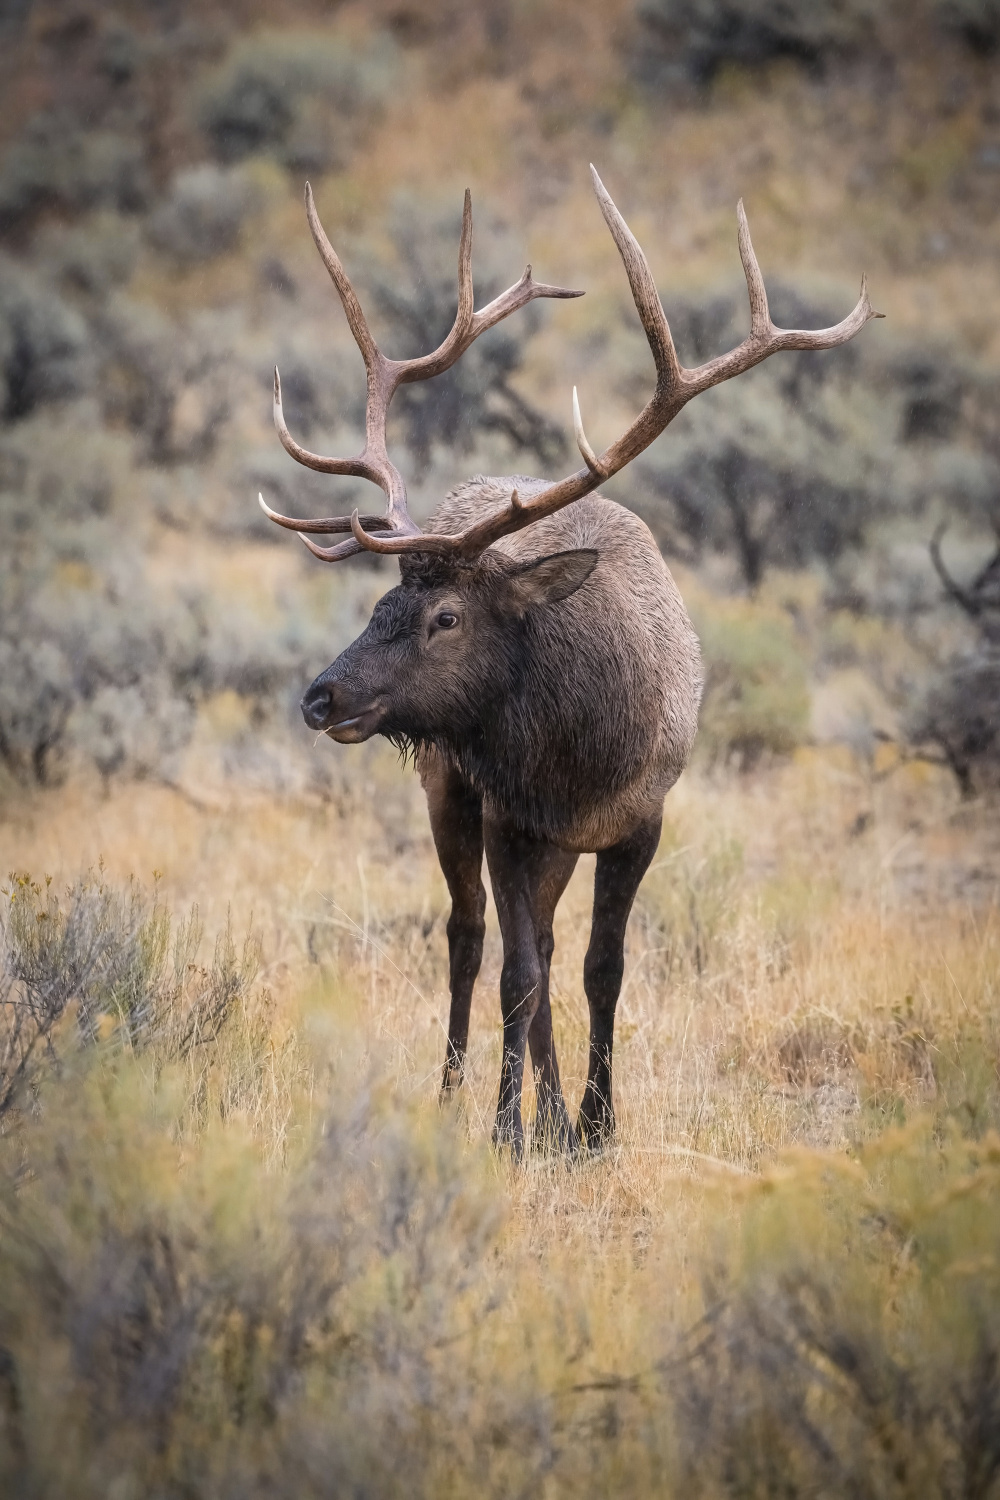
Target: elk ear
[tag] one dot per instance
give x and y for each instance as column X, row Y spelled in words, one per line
column 547, row 580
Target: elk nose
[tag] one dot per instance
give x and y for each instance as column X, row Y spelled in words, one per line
column 316, row 706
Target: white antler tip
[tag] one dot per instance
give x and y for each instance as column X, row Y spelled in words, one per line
column 271, row 515
column 589, row 456
column 358, row 530
column 864, row 298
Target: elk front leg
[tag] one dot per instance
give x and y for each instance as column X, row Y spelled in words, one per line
column 528, row 875
column 456, row 814
column 619, row 872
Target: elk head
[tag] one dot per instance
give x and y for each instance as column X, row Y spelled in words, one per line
column 440, row 648
column 442, row 645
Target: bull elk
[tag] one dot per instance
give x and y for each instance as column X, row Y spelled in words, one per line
column 537, row 658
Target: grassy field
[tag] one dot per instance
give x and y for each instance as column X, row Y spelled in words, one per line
column 809, row 939
column 274, row 1265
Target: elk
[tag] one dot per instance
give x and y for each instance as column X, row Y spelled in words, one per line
column 537, row 659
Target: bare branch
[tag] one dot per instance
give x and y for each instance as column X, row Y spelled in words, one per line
column 967, row 601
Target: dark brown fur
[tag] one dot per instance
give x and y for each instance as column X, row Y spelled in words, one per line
column 549, row 719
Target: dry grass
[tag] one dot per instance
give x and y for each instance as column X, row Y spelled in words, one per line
column 808, row 941
column 320, row 1278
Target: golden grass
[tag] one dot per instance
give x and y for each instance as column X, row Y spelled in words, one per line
column 812, row 964
column 804, row 941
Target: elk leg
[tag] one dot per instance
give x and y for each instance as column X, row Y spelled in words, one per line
column 456, row 814
column 619, row 871
column 528, row 875
column 553, row 1128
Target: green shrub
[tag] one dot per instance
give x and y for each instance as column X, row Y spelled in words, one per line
column 100, row 666
column 692, row 39
column 203, row 213
column 976, row 21
column 44, row 354
column 756, row 698
column 696, row 37
column 228, row 1331
column 177, row 1317
column 105, row 954
column 56, row 161
column 93, row 257
column 856, row 1348
column 958, row 714
column 300, row 96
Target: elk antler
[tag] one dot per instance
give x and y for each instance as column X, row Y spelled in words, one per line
column 675, row 387
column 384, row 378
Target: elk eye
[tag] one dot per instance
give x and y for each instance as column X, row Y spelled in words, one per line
column 446, row 620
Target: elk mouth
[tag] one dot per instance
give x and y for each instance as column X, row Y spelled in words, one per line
column 357, row 728
column 328, row 708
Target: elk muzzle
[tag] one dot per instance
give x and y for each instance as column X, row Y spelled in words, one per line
column 333, row 708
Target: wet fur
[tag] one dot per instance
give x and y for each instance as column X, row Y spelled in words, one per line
column 551, row 723
column 596, row 701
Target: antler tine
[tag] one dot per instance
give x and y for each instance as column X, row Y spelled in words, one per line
column 675, row 387
column 644, row 293
column 457, row 339
column 336, row 553
column 765, row 338
column 359, row 465
column 760, row 315
column 384, row 377
column 352, row 307
column 328, row 525
column 589, row 456
column 468, row 325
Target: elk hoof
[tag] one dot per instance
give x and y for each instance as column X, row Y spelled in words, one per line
column 451, row 1083
column 595, row 1140
column 508, row 1134
column 553, row 1134
column 596, row 1124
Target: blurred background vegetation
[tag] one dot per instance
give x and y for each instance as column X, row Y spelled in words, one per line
column 239, row 1251
column 155, row 263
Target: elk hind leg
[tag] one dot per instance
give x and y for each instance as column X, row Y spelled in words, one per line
column 553, row 1128
column 456, row 814
column 528, row 875
column 619, row 872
